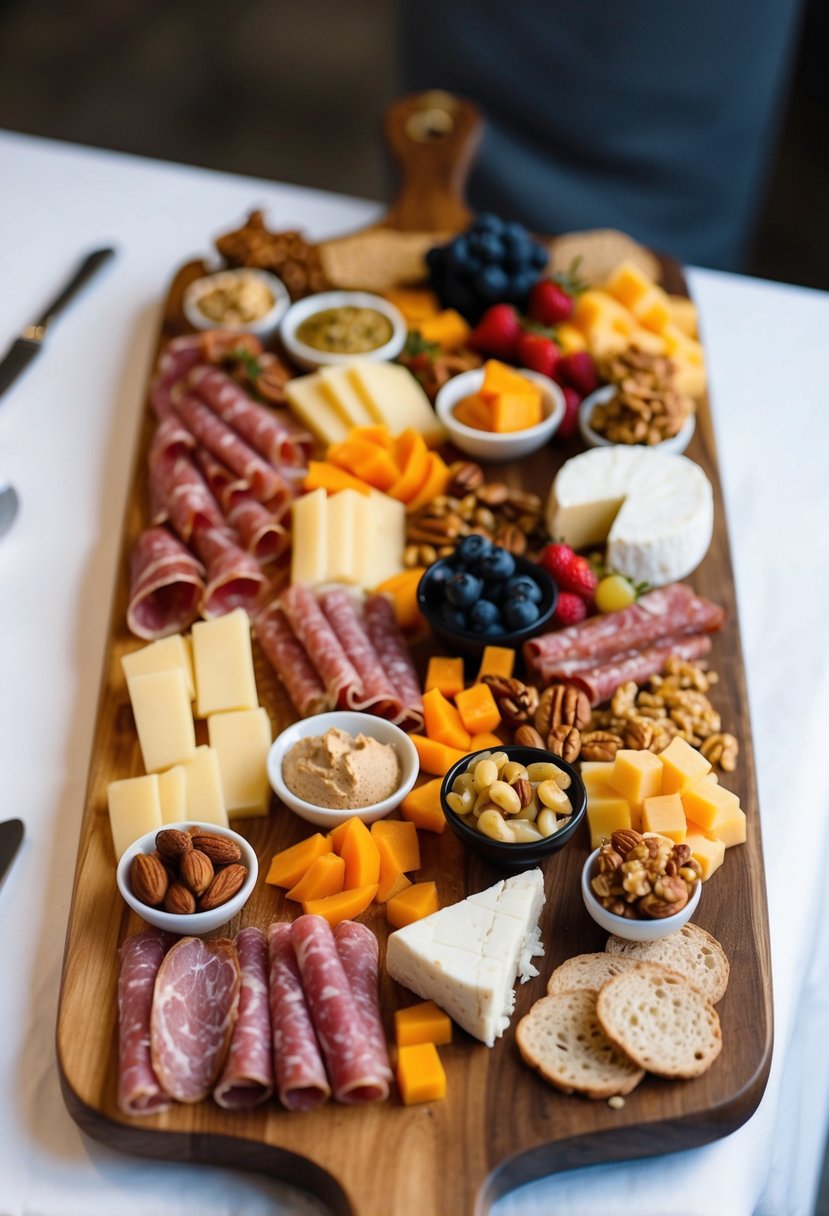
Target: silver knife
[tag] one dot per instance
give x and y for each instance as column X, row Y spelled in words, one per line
column 23, row 349
column 11, row 834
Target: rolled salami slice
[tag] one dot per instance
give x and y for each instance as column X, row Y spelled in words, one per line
column 247, row 1077
column 359, row 954
column 356, row 1074
column 258, row 529
column 234, row 578
column 226, row 445
column 301, row 1082
column 600, row 682
column 345, row 618
column 139, row 1090
column 181, row 492
column 223, row 482
column 287, row 656
column 166, row 585
column 194, row 1010
column 393, row 653
column 274, row 434
column 321, row 644
column 666, row 612
column 176, row 362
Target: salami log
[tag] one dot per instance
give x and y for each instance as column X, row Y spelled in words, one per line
column 377, row 694
column 354, row 1071
column 359, row 954
column 274, row 434
column 234, row 578
column 287, row 656
column 301, row 1082
column 226, row 445
column 321, row 644
column 139, row 1090
column 393, row 653
column 600, row 682
column 166, row 585
column 194, row 1010
column 247, row 1077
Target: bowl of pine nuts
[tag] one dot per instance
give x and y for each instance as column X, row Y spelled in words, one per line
column 515, row 806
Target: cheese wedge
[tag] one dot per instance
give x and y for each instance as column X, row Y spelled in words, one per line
column 395, row 399
column 467, row 957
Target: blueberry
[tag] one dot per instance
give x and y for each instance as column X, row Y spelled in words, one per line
column 439, row 575
column 483, row 615
column 540, row 256
column 452, row 617
column 463, row 589
column 492, row 283
column 491, row 249
column 515, row 232
column 472, row 548
column 459, row 251
column 494, row 590
column 520, row 612
column 523, row 585
column 498, row 564
column 487, row 222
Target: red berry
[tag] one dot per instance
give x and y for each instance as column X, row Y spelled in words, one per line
column 549, row 303
column 556, row 560
column 497, row 332
column 537, row 352
column 570, row 422
column 579, row 578
column 570, row 609
column 578, row 371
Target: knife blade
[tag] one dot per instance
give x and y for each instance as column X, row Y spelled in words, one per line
column 11, row 835
column 24, row 349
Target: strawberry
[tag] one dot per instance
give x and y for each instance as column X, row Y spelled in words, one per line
column 549, row 303
column 570, row 422
column 556, row 560
column 578, row 371
column 570, row 609
column 537, row 352
column 579, row 578
column 497, row 332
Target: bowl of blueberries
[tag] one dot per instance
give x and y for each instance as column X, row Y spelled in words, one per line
column 483, row 595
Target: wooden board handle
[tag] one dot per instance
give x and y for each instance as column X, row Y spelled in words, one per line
column 433, row 138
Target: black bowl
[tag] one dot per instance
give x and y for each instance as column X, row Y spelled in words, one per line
column 429, row 600
column 499, row 852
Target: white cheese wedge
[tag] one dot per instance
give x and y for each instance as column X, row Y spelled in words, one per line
column 395, row 399
column 467, row 957
column 241, row 740
column 312, row 406
column 382, row 539
column 654, row 509
column 309, row 528
column 223, row 663
column 204, row 800
column 347, row 537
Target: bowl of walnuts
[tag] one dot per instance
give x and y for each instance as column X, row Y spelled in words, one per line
column 641, row 887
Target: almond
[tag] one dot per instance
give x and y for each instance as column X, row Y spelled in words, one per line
column 148, row 879
column 220, row 850
column 179, row 900
column 196, row 871
column 173, row 844
column 223, row 887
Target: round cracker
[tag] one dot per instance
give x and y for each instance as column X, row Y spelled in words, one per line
column 586, row 971
column 692, row 951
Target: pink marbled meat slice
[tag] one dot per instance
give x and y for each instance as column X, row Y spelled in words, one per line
column 139, row 1090
column 287, row 656
column 301, row 1081
column 343, row 613
column 194, row 1010
column 258, row 529
column 182, row 494
column 601, row 681
column 355, row 1073
column 175, row 363
column 359, row 954
column 321, row 644
column 166, row 585
column 223, row 482
column 226, row 445
column 273, row 433
column 395, row 657
column 247, row 1077
column 234, row 578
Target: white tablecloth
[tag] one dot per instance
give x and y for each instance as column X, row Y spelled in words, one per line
column 67, row 433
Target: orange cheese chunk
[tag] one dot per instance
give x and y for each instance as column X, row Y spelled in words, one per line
column 496, row 661
column 709, row 853
column 325, row 876
column 485, row 739
column 500, row 378
column 637, row 775
column 447, row 328
column 515, row 412
column 606, row 816
column 446, row 675
column 474, row 411
column 412, row 458
column 338, row 834
column 402, row 588
column 417, row 901
column 664, row 814
column 443, row 722
column 436, row 758
column 436, row 481
column 416, row 303
column 707, row 801
column 321, row 473
column 420, row 1074
column 366, row 459
column 422, row 807
column 400, row 839
column 392, row 881
column 346, row 906
column 682, row 767
column 422, row 1023
column 362, row 859
column 596, row 777
column 477, row 709
column 289, row 865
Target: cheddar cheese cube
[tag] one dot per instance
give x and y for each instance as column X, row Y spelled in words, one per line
column 637, row 775
column 420, row 1074
column 728, row 825
column 665, row 815
column 606, row 816
column 422, row 1023
column 707, row 802
column 496, row 661
column 682, row 767
column 596, row 777
column 707, row 852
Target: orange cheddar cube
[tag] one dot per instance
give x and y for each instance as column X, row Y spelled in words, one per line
column 325, row 876
column 399, row 837
column 637, row 775
column 665, row 815
column 422, row 807
column 332, row 478
column 496, row 661
column 289, row 865
column 338, row 834
column 500, row 378
column 682, row 767
column 447, row 328
column 420, row 1074
column 435, row 758
column 446, row 675
column 348, row 905
column 443, row 722
column 361, row 856
column 516, row 412
column 474, row 411
column 478, row 709
column 606, row 816
column 707, row 801
column 417, row 901
column 436, row 481
column 596, row 777
column 422, row 1023
column 709, row 853
column 412, row 458
column 485, row 739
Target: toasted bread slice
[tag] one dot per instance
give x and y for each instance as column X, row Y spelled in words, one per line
column 586, row 971
column 691, row 951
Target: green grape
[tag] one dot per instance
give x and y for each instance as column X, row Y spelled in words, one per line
column 614, row 593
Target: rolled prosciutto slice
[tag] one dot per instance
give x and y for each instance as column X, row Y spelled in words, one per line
column 166, row 585
column 274, row 434
column 247, row 1077
column 226, row 445
column 176, row 362
column 139, row 1090
column 321, row 644
column 301, row 1081
column 345, row 618
column 355, row 1072
column 234, row 578
column 194, row 1010
column 180, row 491
column 359, row 954
column 287, row 656
column 600, row 682
column 393, row 653
column 258, row 529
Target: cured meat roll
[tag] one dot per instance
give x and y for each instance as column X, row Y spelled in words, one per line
column 356, row 1074
column 226, row 445
column 274, row 434
column 359, row 954
column 301, row 1081
column 343, row 615
column 177, row 361
column 393, row 653
column 290, row 662
column 234, row 578
column 166, row 585
column 182, row 494
column 601, row 681
column 321, row 643
column 139, row 1090
column 258, row 530
column 223, row 482
column 194, row 1010
column 247, row 1077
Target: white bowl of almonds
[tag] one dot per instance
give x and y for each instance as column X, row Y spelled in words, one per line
column 188, row 878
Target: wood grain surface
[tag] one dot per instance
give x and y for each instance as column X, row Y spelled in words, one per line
column 500, row 1124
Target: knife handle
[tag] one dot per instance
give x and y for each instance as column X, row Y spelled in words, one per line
column 89, row 267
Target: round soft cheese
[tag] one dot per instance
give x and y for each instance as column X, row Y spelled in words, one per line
column 654, row 510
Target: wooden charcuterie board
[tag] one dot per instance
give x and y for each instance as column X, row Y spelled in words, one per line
column 500, row 1125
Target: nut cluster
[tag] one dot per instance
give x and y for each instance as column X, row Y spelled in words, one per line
column 192, row 871
column 644, row 877
column 646, row 407
column 509, row 801
column 509, row 517
column 647, row 718
column 286, row 254
column 432, row 369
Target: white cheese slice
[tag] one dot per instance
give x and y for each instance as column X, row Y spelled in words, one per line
column 171, row 795
column 204, row 800
column 134, row 809
column 312, row 406
column 347, row 525
column 344, row 397
column 394, row 398
column 163, row 718
column 654, row 509
column 467, row 957
column 241, row 740
column 309, row 547
column 223, row 663
column 382, row 538
column 161, row 655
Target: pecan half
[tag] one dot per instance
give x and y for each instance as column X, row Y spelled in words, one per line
column 516, row 701
column 564, row 741
column 562, row 704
